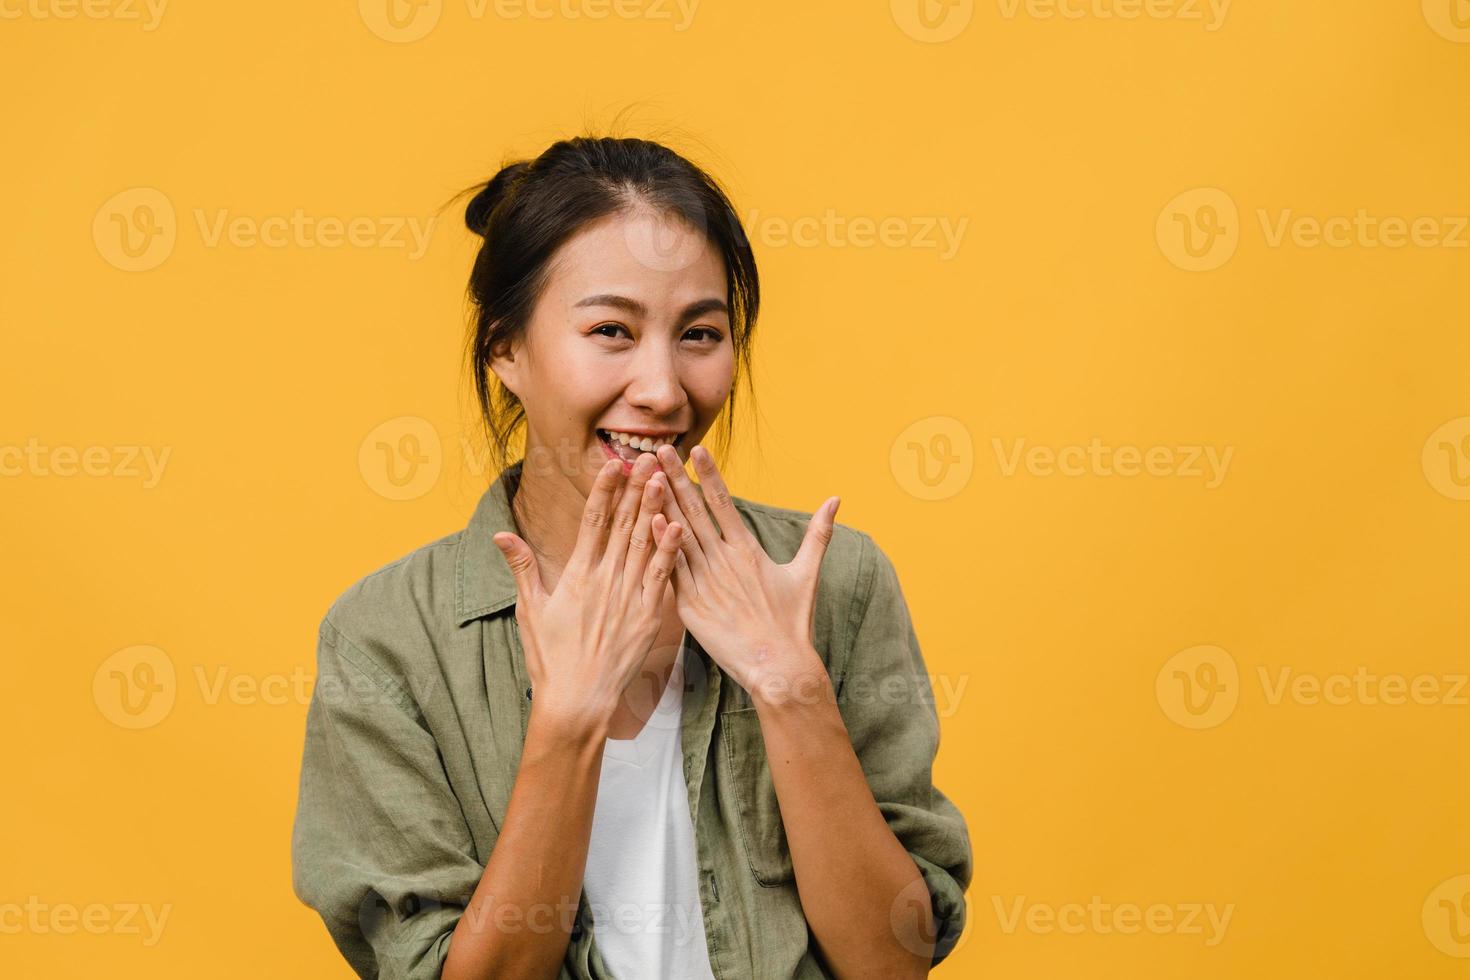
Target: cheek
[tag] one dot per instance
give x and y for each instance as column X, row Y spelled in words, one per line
column 709, row 381
column 574, row 382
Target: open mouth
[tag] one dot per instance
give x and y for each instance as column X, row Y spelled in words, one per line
column 627, row 446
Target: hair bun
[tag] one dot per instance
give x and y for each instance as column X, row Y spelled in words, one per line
column 477, row 212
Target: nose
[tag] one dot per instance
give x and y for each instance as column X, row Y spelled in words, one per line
column 655, row 385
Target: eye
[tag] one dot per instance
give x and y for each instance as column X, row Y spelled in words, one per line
column 711, row 335
column 608, row 326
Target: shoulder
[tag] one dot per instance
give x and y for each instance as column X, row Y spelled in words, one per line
column 406, row 584
column 397, row 612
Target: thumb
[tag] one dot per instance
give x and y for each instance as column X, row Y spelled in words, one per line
column 522, row 562
column 818, row 535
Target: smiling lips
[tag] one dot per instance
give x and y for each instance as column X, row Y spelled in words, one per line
column 627, row 446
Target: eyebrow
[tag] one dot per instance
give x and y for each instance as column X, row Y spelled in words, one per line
column 694, row 310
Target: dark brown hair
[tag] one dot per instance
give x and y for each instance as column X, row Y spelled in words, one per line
column 531, row 207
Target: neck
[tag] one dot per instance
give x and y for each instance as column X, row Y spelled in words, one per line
column 548, row 512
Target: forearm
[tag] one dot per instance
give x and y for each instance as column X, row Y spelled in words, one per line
column 519, row 921
column 849, row 881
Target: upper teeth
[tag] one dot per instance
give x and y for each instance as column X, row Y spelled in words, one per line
column 643, row 443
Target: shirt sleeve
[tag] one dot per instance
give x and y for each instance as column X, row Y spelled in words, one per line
column 887, row 702
column 380, row 847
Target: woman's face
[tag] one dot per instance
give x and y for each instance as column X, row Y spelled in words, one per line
column 630, row 335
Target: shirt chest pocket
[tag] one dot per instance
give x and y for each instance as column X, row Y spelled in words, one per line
column 762, row 836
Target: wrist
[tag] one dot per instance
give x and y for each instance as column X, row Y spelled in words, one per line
column 585, row 725
column 799, row 681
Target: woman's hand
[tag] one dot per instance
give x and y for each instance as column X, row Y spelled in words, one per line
column 588, row 639
column 753, row 616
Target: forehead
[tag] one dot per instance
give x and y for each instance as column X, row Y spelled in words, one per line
column 643, row 254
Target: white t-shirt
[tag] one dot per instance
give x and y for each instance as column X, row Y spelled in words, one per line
column 642, row 877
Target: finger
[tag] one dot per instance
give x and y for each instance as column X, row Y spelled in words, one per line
column 629, row 506
column 818, row 535
column 685, row 579
column 643, row 541
column 522, row 562
column 691, row 504
column 717, row 496
column 661, row 568
column 596, row 515
column 682, row 577
column 691, row 555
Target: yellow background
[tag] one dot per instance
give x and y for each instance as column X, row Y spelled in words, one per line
column 1334, row 543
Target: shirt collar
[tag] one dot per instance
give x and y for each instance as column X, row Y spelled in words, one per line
column 483, row 583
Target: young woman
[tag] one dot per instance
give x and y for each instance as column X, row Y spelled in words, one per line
column 624, row 724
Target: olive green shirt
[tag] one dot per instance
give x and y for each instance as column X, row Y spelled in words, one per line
column 419, row 713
